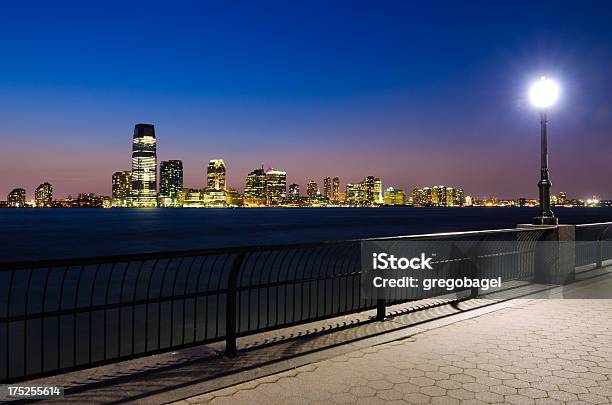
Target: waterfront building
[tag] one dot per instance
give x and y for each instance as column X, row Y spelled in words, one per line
column 255, row 188
column 438, row 196
column 327, row 188
column 43, row 195
column 170, row 183
column 215, row 174
column 193, row 198
column 233, row 198
column 276, row 187
column 90, row 200
column 335, row 197
column 16, row 198
column 469, row 201
column 294, row 191
column 312, row 189
column 214, row 198
column 356, row 194
column 394, row 196
column 121, row 188
column 378, row 191
column 144, row 166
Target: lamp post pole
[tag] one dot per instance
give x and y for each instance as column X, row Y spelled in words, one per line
column 546, row 216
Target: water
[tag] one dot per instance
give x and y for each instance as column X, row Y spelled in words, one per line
column 28, row 234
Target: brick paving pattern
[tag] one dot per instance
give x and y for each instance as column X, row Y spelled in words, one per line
column 539, row 352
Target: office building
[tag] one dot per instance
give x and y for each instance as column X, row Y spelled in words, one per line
column 327, row 188
column 144, row 166
column 394, row 196
column 16, row 198
column 276, row 187
column 215, row 174
column 43, row 195
column 170, row 183
column 255, row 188
column 335, row 197
column 312, row 189
column 121, row 189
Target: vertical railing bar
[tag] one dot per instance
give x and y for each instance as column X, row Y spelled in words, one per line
column 250, row 290
column 25, row 325
column 74, row 323
column 259, row 287
column 8, row 313
column 147, row 305
column 172, row 301
column 42, row 326
column 206, row 298
column 110, row 278
column 292, row 282
column 276, row 287
column 301, row 254
column 195, row 306
column 59, row 318
column 120, row 310
column 159, row 305
column 133, row 331
column 277, row 280
column 91, row 295
column 185, row 299
column 221, row 271
column 230, row 318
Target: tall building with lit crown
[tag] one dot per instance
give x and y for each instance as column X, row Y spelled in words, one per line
column 335, row 190
column 255, row 188
column 394, row 196
column 16, row 198
column 327, row 188
column 144, row 166
column 311, row 189
column 215, row 174
column 276, row 187
column 43, row 195
column 170, row 182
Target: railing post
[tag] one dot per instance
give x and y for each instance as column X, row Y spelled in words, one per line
column 381, row 309
column 231, row 306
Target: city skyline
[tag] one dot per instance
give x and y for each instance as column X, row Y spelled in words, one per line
column 413, row 94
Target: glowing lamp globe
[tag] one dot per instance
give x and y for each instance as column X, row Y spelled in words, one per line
column 544, row 93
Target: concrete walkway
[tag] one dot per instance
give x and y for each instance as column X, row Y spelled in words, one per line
column 542, row 351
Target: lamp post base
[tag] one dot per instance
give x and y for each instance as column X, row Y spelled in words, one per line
column 545, row 221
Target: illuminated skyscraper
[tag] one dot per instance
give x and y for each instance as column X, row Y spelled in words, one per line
column 276, row 187
column 311, row 189
column 16, row 198
column 327, row 188
column 121, row 188
column 144, row 166
column 378, row 191
column 170, row 182
column 335, row 190
column 215, row 174
column 255, row 188
column 44, row 195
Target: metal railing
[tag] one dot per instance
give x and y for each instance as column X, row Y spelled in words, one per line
column 593, row 246
column 62, row 315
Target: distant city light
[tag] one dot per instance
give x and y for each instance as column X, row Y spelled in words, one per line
column 544, row 93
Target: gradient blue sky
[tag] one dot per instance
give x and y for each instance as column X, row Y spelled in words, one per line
column 415, row 93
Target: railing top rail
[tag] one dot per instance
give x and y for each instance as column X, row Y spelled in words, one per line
column 81, row 261
column 593, row 224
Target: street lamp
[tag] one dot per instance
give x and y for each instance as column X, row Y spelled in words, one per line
column 543, row 94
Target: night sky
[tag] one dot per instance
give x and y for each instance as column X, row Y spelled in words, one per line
column 417, row 93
